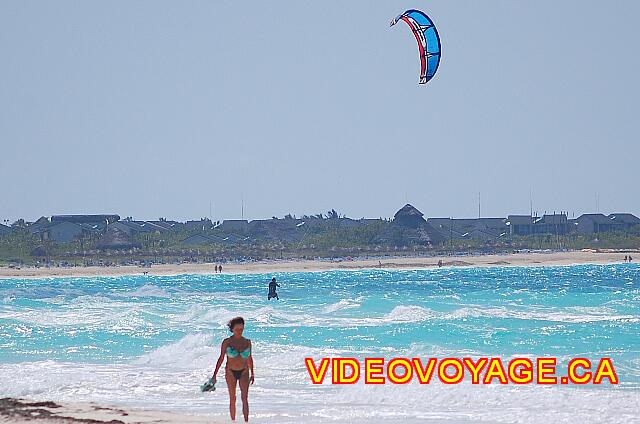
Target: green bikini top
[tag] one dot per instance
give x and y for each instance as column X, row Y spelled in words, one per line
column 232, row 353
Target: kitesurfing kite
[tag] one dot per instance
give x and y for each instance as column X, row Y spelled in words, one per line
column 428, row 41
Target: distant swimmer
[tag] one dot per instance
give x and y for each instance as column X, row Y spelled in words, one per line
column 272, row 289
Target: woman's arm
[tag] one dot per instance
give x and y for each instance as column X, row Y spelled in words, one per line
column 250, row 363
column 223, row 349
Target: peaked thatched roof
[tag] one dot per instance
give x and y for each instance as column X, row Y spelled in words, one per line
column 415, row 229
column 115, row 238
column 409, row 216
column 408, row 211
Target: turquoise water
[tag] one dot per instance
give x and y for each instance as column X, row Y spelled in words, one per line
column 150, row 341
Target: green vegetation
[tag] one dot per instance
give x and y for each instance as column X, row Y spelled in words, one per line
column 321, row 241
column 17, row 247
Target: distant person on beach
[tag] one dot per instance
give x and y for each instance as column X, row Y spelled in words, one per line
column 630, row 259
column 216, row 268
column 272, row 289
column 625, row 258
column 440, row 263
column 239, row 367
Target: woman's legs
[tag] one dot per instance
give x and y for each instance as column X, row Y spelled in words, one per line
column 244, row 394
column 231, row 384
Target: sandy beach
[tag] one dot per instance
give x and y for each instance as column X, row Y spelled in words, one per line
column 24, row 411
column 269, row 267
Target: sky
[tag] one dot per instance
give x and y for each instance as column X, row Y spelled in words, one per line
column 189, row 109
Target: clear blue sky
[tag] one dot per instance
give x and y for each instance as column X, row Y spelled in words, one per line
column 157, row 108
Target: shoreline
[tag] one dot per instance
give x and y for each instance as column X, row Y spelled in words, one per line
column 47, row 409
column 347, row 264
column 13, row 410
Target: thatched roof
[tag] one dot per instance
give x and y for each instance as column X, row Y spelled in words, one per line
column 408, row 211
column 115, row 238
column 413, row 228
column 409, row 216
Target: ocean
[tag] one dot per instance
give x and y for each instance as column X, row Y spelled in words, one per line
column 150, row 341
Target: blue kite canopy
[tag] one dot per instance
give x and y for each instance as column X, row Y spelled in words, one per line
column 428, row 41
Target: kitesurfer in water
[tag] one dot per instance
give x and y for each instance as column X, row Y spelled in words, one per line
column 272, row 289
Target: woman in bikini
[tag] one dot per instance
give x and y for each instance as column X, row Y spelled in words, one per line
column 239, row 368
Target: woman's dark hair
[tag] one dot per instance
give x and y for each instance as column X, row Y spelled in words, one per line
column 234, row 322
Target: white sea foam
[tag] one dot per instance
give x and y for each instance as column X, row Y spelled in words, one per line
column 97, row 315
column 343, row 304
column 409, row 313
column 192, row 351
column 148, row 290
column 568, row 315
column 85, row 300
column 494, row 403
column 168, row 377
column 101, row 311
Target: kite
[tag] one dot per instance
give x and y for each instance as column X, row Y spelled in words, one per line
column 428, row 41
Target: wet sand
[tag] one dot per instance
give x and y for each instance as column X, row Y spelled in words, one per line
column 24, row 411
